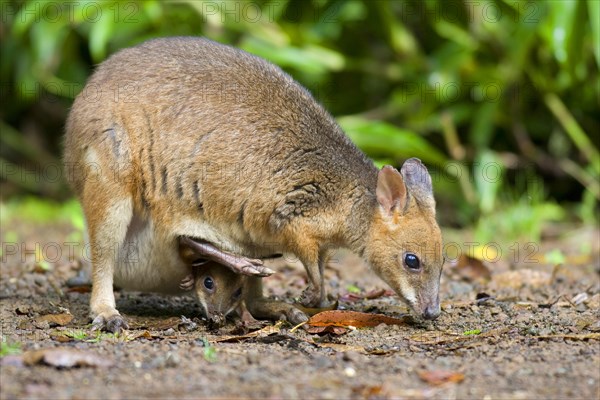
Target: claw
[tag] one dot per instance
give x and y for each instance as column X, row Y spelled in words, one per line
column 256, row 270
column 115, row 323
column 187, row 283
column 309, row 298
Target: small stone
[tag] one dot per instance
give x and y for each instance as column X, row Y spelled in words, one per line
column 350, row 372
column 169, row 332
column 581, row 307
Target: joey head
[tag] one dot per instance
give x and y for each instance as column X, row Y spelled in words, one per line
column 218, row 288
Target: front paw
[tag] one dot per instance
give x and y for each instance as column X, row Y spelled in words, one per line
column 253, row 267
column 110, row 322
column 187, row 283
column 310, row 297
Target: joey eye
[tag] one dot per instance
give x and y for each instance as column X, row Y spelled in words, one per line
column 237, row 294
column 209, row 283
column 412, row 261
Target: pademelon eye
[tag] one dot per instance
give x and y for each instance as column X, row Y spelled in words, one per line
column 412, row 261
column 209, row 283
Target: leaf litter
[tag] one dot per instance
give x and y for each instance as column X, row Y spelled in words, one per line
column 64, row 357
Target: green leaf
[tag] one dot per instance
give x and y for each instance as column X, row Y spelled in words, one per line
column 99, row 36
column 381, row 139
column 310, row 59
column 488, row 173
column 9, row 348
column 353, row 289
column 210, row 352
column 560, row 23
column 594, row 17
column 482, row 128
column 555, row 257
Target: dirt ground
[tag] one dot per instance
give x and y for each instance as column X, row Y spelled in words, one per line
column 529, row 330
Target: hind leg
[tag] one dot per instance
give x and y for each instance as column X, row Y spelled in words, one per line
column 108, row 219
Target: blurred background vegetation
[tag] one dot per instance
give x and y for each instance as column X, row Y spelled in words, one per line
column 499, row 98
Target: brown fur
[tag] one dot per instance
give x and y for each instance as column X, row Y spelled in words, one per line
column 200, row 139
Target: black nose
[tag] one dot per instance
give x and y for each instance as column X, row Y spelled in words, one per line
column 431, row 312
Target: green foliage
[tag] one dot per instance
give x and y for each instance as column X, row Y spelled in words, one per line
column 76, row 334
column 353, row 289
column 9, row 348
column 555, row 257
column 512, row 84
column 43, row 211
column 210, row 352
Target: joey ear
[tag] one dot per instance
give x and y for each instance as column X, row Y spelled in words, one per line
column 391, row 191
column 418, row 181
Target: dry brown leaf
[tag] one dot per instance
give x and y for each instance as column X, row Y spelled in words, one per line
column 145, row 335
column 377, row 293
column 368, row 392
column 440, row 377
column 520, row 278
column 80, row 289
column 63, row 357
column 55, row 319
column 353, row 318
column 373, row 294
column 472, row 269
column 351, row 297
column 61, row 337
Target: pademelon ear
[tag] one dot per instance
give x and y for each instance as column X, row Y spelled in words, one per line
column 418, row 182
column 391, row 190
